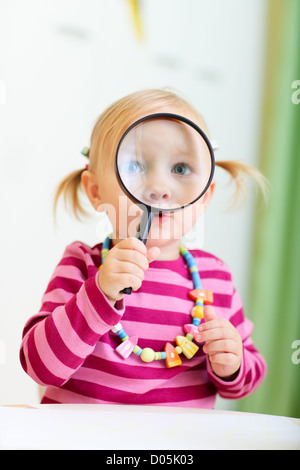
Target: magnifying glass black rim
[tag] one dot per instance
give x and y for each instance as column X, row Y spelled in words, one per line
column 177, row 117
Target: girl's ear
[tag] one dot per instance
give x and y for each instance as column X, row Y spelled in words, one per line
column 209, row 194
column 91, row 188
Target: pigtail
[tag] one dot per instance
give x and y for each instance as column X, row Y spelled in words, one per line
column 239, row 173
column 69, row 189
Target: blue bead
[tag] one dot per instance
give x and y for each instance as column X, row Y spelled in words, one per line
column 196, row 321
column 106, row 243
column 191, row 264
column 196, row 280
column 163, row 355
column 122, row 334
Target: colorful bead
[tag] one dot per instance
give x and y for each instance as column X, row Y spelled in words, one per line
column 189, row 348
column 195, row 293
column 122, row 333
column 116, row 328
column 172, row 356
column 182, row 250
column 189, row 328
column 193, row 268
column 197, row 311
column 206, row 295
column 193, row 330
column 137, row 350
column 160, row 355
column 196, row 321
column 147, row 355
column 126, row 347
column 189, row 259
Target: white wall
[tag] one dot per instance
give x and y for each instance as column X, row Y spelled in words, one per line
column 61, row 63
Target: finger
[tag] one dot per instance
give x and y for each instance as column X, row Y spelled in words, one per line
column 223, row 358
column 213, row 334
column 131, row 256
column 216, row 323
column 209, row 313
column 153, row 253
column 126, row 267
column 221, row 346
column 126, row 280
column 132, row 243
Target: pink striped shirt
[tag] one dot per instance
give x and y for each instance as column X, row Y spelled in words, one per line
column 69, row 348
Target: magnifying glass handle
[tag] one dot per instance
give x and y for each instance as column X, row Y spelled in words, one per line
column 142, row 234
column 145, row 225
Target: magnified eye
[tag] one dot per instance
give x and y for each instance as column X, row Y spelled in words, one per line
column 131, row 167
column 182, row 169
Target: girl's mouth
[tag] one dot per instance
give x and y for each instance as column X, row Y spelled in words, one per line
column 162, row 217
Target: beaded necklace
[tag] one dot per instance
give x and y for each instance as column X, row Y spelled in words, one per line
column 184, row 344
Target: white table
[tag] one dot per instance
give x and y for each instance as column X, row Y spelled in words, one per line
column 118, row 427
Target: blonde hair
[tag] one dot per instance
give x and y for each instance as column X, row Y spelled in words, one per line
column 114, row 121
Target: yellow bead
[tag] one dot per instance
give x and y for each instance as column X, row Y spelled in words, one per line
column 188, row 347
column 148, row 355
column 180, row 340
column 197, row 312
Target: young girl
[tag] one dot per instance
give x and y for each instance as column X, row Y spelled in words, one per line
column 90, row 343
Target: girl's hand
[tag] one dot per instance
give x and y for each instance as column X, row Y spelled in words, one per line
column 223, row 344
column 124, row 266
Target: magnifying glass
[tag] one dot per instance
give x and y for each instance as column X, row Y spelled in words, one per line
column 164, row 162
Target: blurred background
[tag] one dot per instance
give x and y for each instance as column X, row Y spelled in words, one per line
column 237, row 61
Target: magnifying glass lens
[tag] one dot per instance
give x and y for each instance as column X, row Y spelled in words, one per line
column 164, row 163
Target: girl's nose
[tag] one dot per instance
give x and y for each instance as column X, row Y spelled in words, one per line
column 156, row 193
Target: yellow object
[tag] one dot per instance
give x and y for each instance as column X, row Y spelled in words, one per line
column 136, row 18
column 189, row 348
column 147, row 355
column 197, row 312
column 173, row 359
column 172, row 355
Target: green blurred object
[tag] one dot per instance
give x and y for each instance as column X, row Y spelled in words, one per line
column 274, row 305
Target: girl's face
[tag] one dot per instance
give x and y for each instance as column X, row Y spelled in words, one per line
column 157, row 165
column 164, row 163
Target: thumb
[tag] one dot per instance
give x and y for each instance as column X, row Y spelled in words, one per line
column 153, row 253
column 209, row 313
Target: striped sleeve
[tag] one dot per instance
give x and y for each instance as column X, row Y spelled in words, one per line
column 253, row 366
column 74, row 315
